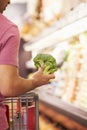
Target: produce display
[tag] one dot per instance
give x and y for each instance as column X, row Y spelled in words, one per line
column 47, row 61
column 73, row 73
column 70, row 83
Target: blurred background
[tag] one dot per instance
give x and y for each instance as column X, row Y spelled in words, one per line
column 57, row 27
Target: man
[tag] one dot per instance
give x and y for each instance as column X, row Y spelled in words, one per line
column 11, row 84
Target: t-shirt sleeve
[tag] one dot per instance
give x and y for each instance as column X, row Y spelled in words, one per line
column 10, row 47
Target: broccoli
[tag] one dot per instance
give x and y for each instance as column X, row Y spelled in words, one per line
column 46, row 60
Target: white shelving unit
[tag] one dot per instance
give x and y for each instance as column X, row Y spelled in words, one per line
column 72, row 24
column 59, row 36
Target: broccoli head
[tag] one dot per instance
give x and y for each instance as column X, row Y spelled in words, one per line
column 46, row 60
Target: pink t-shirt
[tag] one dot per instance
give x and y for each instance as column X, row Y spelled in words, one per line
column 9, row 46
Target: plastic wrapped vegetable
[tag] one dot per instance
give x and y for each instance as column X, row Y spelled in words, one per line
column 46, row 60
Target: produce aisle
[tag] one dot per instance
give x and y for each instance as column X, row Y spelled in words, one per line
column 63, row 102
column 66, row 96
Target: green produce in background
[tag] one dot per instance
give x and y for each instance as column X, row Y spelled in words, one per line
column 66, row 55
column 46, row 60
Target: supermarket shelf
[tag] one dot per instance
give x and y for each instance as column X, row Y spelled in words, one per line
column 77, row 114
column 68, row 26
column 57, row 36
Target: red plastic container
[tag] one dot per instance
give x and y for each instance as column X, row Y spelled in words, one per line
column 31, row 118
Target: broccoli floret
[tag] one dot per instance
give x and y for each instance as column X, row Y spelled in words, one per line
column 46, row 60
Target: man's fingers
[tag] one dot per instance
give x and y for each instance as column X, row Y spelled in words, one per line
column 52, row 76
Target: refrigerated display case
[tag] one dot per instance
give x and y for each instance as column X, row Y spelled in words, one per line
column 72, row 30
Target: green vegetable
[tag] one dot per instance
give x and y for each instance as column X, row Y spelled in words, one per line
column 66, row 55
column 46, row 60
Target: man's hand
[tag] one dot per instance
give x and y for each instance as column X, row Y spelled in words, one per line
column 40, row 78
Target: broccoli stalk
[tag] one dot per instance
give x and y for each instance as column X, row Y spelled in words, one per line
column 46, row 60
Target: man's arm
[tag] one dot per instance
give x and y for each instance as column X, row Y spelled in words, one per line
column 11, row 84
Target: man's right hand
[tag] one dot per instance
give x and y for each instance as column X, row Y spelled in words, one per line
column 40, row 78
